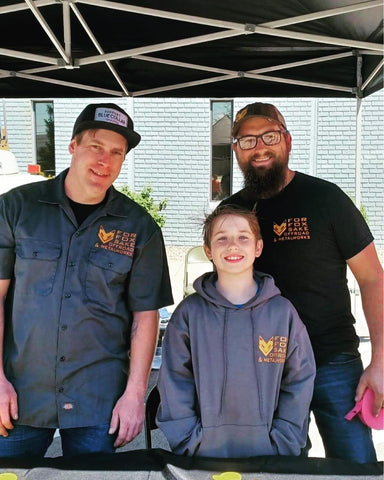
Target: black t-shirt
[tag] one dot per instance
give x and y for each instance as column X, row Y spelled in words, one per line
column 309, row 231
column 82, row 210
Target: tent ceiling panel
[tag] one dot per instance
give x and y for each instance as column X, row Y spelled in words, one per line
column 193, row 48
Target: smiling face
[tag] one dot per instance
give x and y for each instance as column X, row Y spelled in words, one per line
column 233, row 245
column 265, row 167
column 97, row 157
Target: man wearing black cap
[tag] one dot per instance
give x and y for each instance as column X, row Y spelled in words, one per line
column 311, row 232
column 83, row 272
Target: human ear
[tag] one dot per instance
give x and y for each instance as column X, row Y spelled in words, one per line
column 259, row 248
column 71, row 146
column 208, row 253
column 288, row 140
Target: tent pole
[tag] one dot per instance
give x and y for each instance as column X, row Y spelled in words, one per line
column 354, row 290
column 358, row 153
column 358, row 133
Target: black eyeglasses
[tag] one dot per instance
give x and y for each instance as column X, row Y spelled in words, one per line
column 269, row 138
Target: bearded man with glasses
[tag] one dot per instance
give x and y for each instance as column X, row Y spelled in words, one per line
column 311, row 232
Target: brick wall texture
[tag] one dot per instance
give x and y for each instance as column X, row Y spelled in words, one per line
column 174, row 155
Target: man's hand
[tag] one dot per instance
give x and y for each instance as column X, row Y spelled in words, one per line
column 372, row 378
column 128, row 414
column 8, row 407
column 127, row 418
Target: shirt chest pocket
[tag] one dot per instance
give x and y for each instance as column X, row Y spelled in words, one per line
column 36, row 266
column 107, row 276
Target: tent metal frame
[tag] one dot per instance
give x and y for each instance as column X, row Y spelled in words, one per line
column 66, row 60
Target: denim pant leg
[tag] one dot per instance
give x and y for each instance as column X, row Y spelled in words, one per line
column 25, row 441
column 333, row 398
column 83, row 440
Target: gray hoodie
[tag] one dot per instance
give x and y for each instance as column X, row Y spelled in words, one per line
column 235, row 381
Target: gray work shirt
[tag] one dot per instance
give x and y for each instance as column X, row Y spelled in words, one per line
column 68, row 309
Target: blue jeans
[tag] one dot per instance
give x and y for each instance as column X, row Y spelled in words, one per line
column 31, row 441
column 333, row 398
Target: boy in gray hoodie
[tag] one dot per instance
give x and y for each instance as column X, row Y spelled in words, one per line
column 237, row 365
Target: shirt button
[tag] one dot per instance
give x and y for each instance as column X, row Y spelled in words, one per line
column 72, row 264
column 60, row 389
column 67, row 295
column 62, row 359
column 64, row 327
column 77, row 234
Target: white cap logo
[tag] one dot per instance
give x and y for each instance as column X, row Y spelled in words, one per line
column 111, row 115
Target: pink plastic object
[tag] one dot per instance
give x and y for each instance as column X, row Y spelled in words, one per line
column 363, row 409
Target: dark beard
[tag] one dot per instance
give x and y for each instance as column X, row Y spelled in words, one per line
column 264, row 183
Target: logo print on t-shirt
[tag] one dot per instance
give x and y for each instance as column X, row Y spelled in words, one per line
column 116, row 241
column 295, row 228
column 279, row 229
column 274, row 350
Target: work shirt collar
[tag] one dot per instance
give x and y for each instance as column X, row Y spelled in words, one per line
column 55, row 195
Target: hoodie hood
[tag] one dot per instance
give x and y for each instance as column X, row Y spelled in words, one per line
column 205, row 287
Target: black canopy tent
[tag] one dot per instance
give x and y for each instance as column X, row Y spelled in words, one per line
column 190, row 48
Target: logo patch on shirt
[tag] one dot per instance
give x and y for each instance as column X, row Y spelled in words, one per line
column 116, row 241
column 104, row 236
column 274, row 350
column 295, row 228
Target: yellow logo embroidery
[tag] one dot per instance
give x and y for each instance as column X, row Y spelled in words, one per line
column 265, row 347
column 241, row 114
column 295, row 228
column 116, row 241
column 104, row 236
column 274, row 350
column 227, row 476
column 279, row 229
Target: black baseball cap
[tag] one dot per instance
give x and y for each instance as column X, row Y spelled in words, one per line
column 109, row 117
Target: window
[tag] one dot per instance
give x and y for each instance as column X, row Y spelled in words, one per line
column 45, row 137
column 221, row 158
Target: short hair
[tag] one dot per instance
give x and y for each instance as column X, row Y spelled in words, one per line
column 229, row 209
column 78, row 137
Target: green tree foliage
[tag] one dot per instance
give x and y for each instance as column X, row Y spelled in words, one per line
column 145, row 199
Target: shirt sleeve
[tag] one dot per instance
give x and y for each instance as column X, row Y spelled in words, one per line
column 7, row 244
column 351, row 230
column 149, row 285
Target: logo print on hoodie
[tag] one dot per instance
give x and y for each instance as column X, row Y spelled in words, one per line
column 274, row 350
column 265, row 347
